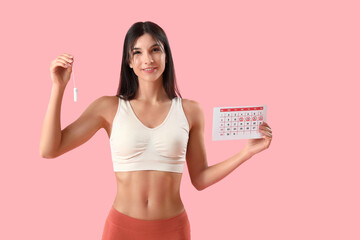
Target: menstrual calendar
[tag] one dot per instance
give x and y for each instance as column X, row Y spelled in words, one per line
column 230, row 123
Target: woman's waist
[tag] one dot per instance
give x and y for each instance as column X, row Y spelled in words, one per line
column 145, row 197
column 148, row 194
column 148, row 209
column 146, row 186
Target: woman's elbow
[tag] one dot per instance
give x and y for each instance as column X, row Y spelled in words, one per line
column 46, row 154
column 198, row 186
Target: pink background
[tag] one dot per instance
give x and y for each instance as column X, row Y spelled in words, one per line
column 300, row 58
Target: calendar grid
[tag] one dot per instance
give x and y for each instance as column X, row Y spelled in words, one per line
column 243, row 122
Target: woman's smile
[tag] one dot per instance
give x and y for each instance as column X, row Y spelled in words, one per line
column 149, row 70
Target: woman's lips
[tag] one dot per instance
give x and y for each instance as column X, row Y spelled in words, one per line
column 151, row 70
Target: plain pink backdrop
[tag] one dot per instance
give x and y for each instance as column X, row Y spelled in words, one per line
column 300, row 58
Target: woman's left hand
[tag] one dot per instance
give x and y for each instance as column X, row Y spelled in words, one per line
column 254, row 146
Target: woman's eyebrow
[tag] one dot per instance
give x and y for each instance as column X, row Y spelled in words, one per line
column 150, row 47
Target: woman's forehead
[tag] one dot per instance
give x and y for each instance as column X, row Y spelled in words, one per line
column 146, row 41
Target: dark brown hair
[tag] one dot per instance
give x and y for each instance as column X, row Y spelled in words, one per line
column 128, row 84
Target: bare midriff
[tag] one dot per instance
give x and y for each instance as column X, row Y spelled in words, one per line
column 148, row 195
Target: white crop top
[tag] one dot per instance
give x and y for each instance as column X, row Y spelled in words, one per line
column 136, row 147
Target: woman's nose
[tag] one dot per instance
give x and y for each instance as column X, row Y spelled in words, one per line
column 148, row 58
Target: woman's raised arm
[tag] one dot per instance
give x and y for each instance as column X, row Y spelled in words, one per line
column 54, row 141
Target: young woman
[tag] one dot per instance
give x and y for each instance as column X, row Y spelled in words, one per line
column 152, row 132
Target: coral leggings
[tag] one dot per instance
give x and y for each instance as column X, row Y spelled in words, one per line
column 119, row 226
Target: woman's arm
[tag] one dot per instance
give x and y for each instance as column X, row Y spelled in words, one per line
column 54, row 141
column 51, row 129
column 203, row 176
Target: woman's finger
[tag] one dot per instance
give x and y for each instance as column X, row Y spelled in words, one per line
column 267, row 133
column 265, row 124
column 68, row 55
column 265, row 128
column 67, row 59
column 62, row 63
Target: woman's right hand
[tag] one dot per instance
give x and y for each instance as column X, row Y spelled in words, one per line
column 61, row 68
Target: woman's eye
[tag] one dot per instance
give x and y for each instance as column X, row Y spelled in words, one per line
column 157, row 49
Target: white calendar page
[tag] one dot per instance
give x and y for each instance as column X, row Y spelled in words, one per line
column 230, row 123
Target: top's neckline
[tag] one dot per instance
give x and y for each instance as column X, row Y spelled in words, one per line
column 154, row 128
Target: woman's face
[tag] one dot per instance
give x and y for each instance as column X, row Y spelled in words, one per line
column 147, row 54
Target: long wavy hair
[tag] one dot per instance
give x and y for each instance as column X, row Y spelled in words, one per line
column 129, row 83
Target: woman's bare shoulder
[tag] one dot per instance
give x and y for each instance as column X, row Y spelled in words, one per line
column 103, row 103
column 189, row 103
column 108, row 99
column 192, row 110
column 106, row 107
column 107, row 104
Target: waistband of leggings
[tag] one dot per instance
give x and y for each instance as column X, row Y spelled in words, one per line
column 130, row 223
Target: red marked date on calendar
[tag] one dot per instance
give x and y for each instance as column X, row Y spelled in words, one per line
column 240, row 122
